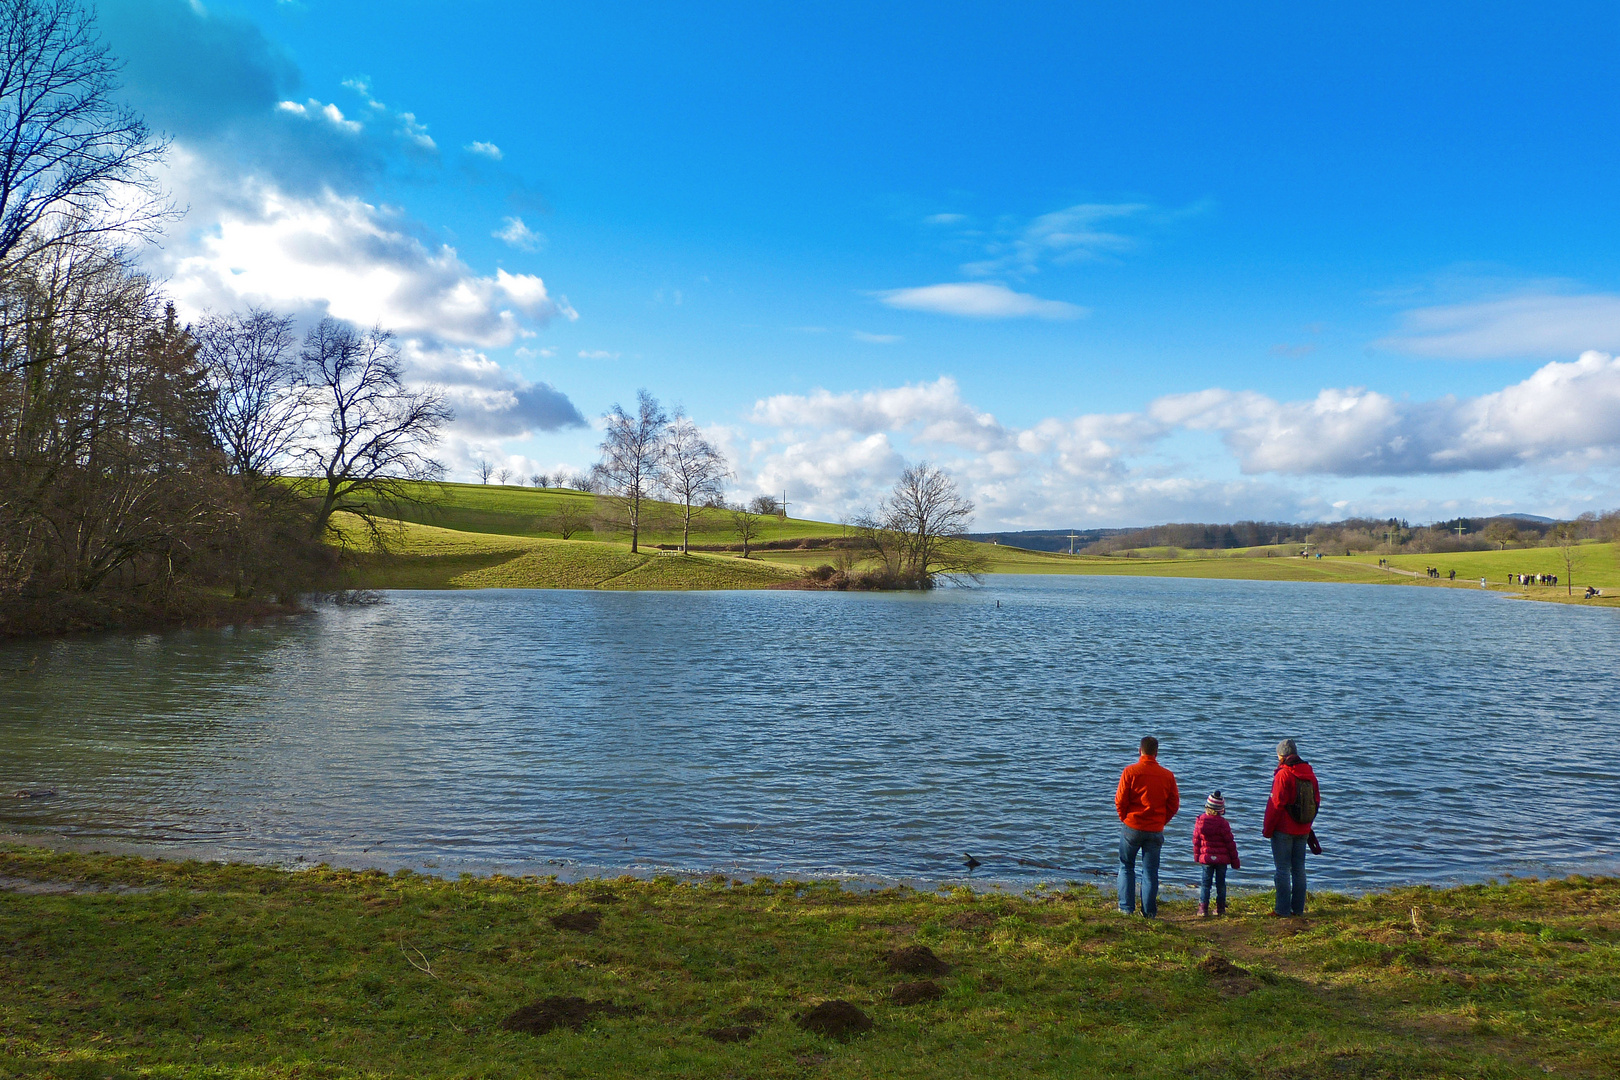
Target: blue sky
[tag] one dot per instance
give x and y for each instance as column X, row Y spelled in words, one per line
column 1110, row 266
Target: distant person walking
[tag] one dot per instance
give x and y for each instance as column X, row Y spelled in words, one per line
column 1295, row 798
column 1146, row 801
column 1214, row 849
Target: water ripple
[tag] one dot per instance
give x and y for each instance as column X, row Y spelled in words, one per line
column 1458, row 735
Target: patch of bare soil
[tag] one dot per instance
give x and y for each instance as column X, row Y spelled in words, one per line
column 971, row 920
column 917, row 960
column 751, row 1014
column 1227, row 978
column 734, row 1034
column 583, row 922
column 836, row 1019
column 547, row 1014
column 30, row 887
column 914, row 993
column 603, row 898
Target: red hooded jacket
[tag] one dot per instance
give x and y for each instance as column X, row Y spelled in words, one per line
column 1213, row 842
column 1284, row 788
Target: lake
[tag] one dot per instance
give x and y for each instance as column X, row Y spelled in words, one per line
column 1458, row 735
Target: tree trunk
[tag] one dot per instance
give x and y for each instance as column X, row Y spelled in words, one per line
column 686, row 527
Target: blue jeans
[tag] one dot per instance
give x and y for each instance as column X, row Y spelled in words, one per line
column 1214, row 874
column 1288, row 852
column 1148, row 843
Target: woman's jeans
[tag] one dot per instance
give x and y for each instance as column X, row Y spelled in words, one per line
column 1148, row 843
column 1288, row 852
column 1214, row 874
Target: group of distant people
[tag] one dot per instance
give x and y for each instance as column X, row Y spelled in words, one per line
column 1434, row 572
column 1148, row 798
column 1532, row 579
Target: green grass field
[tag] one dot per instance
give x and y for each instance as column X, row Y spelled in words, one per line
column 228, row 971
column 518, row 511
column 430, row 557
column 478, row 536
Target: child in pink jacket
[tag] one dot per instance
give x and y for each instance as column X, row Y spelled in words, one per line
column 1214, row 848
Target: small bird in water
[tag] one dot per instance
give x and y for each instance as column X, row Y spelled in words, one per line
column 971, row 863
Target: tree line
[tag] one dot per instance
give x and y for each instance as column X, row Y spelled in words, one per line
column 1367, row 535
column 151, row 470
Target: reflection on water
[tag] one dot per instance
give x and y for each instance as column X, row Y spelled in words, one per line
column 1457, row 735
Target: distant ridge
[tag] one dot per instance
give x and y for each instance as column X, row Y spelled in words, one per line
column 1046, row 539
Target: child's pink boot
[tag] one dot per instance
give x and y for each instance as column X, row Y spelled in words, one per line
column 1203, row 911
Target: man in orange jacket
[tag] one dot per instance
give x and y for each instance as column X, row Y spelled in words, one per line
column 1146, row 801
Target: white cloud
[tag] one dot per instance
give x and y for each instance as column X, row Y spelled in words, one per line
column 516, row 234
column 358, row 262
column 838, row 451
column 876, row 339
column 1529, row 324
column 597, row 354
column 1564, row 411
column 490, row 401
column 979, row 300
column 484, row 149
column 314, row 110
column 1073, row 234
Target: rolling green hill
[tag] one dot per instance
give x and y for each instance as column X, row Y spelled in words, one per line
column 490, row 536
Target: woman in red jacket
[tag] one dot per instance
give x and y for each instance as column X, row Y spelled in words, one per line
column 1295, row 798
column 1214, row 848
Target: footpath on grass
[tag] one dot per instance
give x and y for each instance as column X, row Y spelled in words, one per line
column 125, row 966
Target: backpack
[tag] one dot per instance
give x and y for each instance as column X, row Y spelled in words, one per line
column 1303, row 808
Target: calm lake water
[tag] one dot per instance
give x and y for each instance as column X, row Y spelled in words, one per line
column 1457, row 735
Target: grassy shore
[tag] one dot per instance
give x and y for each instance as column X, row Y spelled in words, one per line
column 122, row 967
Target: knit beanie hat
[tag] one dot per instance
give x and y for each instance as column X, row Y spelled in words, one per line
column 1287, row 749
column 1215, row 804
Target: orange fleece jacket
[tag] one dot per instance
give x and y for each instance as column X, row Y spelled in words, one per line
column 1147, row 797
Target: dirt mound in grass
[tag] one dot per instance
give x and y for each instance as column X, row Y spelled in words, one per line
column 751, row 1014
column 584, row 922
column 1228, row 978
column 917, row 960
column 733, row 1034
column 971, row 920
column 1219, row 967
column 913, row 993
column 836, row 1019
column 539, row 1017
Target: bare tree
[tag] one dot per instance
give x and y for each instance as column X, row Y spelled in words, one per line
column 694, row 471
column 486, row 469
column 373, row 431
column 257, row 407
column 1501, row 532
column 579, row 482
column 632, row 459
column 503, row 474
column 766, row 505
column 109, row 474
column 927, row 515
column 746, row 524
column 1566, row 538
column 540, row 480
column 569, row 517
column 74, row 163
